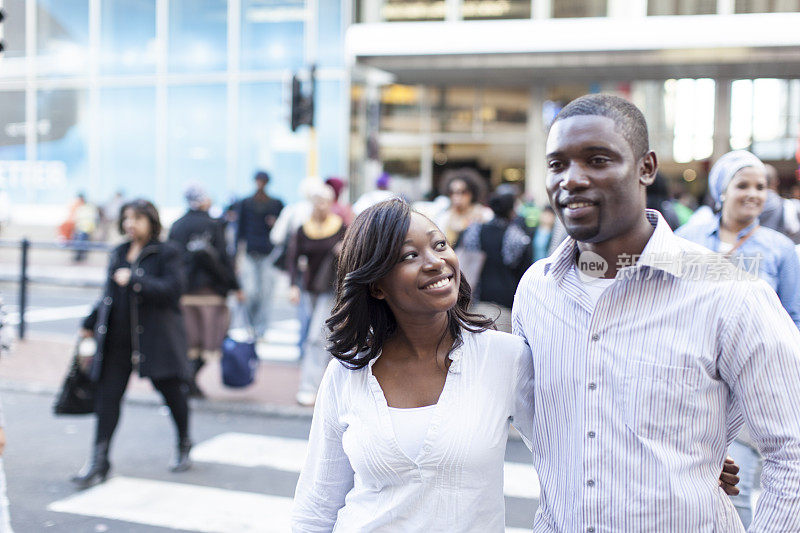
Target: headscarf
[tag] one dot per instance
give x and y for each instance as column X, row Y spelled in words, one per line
column 726, row 167
column 195, row 196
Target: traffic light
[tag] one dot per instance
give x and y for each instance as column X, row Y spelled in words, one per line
column 2, row 33
column 302, row 104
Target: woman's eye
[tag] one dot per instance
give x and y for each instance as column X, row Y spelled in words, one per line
column 441, row 245
column 409, row 255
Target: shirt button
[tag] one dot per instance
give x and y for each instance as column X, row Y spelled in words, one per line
column 590, row 529
column 592, row 434
column 101, row 330
column 427, row 448
column 590, row 483
column 140, row 329
column 592, row 385
column 140, row 272
column 107, row 300
column 596, row 337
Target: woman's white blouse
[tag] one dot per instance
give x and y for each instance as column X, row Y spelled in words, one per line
column 356, row 478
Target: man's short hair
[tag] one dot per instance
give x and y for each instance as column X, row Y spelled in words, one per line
column 628, row 119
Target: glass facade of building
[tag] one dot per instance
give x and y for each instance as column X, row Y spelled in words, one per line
column 147, row 96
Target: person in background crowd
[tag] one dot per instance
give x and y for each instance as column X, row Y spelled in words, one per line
column 644, row 374
column 137, row 325
column 108, row 215
column 738, row 181
column 684, row 206
column 210, row 276
column 658, row 199
column 780, row 214
column 257, row 215
column 311, row 261
column 85, row 223
column 543, row 233
column 507, row 249
column 465, row 188
column 382, row 192
column 340, row 205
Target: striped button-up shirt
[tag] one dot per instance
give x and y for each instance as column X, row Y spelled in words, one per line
column 636, row 398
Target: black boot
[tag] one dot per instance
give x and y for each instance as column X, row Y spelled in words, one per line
column 182, row 462
column 96, row 470
column 194, row 390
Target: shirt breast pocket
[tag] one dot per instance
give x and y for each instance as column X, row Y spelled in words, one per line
column 660, row 400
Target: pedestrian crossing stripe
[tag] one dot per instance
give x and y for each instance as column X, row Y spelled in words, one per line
column 210, row 509
column 182, row 506
column 287, row 454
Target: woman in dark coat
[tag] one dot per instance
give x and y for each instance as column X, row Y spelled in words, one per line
column 138, row 326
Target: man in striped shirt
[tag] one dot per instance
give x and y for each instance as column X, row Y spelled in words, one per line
column 650, row 352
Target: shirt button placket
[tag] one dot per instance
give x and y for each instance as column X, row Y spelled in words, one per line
column 592, row 404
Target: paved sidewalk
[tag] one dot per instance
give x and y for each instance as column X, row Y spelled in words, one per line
column 39, row 364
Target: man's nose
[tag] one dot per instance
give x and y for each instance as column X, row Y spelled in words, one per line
column 574, row 177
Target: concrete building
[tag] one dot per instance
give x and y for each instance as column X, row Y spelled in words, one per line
column 444, row 83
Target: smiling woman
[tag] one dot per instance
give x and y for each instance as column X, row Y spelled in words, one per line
column 411, row 420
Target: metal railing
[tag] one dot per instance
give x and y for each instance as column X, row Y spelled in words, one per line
column 23, row 279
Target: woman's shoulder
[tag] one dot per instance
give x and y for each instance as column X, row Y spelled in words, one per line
column 499, row 343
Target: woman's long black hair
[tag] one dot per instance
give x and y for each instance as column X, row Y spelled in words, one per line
column 360, row 323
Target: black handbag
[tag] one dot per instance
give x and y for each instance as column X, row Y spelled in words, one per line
column 77, row 392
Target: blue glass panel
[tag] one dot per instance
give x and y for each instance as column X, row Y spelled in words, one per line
column 63, row 37
column 198, row 39
column 266, row 142
column 63, row 132
column 330, row 50
column 127, row 127
column 128, row 37
column 272, row 34
column 196, row 141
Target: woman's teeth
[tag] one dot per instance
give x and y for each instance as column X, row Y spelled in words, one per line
column 438, row 284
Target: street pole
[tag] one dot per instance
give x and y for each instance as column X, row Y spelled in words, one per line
column 23, row 286
column 312, row 165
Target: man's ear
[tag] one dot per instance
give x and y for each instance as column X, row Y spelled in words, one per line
column 376, row 292
column 648, row 166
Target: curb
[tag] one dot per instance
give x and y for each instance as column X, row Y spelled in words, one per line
column 201, row 405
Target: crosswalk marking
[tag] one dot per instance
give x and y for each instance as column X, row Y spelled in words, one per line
column 280, row 453
column 180, row 506
column 209, row 509
column 49, row 314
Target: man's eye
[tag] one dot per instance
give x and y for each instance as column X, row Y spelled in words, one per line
column 598, row 160
column 554, row 165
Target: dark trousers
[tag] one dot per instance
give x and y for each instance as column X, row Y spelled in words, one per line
column 116, row 372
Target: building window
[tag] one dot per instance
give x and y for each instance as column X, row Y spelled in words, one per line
column 410, row 10
column 681, row 7
column 689, row 108
column 62, row 37
column 579, row 8
column 765, row 114
column 273, row 34
column 767, row 6
column 495, row 9
column 198, row 35
column 128, row 37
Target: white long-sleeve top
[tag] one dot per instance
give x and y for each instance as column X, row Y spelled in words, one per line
column 356, row 478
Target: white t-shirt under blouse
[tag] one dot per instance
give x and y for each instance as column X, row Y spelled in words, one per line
column 410, row 427
column 358, row 479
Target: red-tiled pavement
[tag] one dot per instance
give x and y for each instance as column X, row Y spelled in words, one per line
column 40, row 363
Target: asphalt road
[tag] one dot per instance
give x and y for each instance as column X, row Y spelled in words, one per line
column 246, row 465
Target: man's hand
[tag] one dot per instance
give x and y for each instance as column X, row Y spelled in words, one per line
column 122, row 276
column 294, row 294
column 728, row 478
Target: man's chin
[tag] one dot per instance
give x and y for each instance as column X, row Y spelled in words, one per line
column 583, row 233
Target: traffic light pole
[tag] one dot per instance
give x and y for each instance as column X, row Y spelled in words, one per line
column 312, row 162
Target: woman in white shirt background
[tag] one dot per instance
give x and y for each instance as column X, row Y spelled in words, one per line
column 411, row 421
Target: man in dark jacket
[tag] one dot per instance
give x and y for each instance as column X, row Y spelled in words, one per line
column 257, row 214
column 210, row 275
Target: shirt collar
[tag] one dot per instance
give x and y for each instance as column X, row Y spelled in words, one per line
column 663, row 244
column 713, row 229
